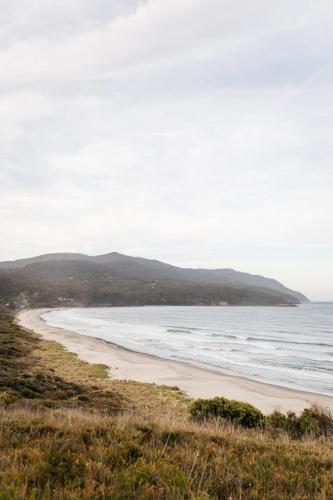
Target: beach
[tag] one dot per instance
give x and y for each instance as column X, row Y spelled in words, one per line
column 195, row 381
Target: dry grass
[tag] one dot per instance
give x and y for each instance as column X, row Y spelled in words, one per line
column 67, row 364
column 146, row 399
column 73, row 454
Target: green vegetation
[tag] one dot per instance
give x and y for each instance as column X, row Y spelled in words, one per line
column 236, row 412
column 84, row 283
column 315, row 422
column 24, row 378
column 69, row 432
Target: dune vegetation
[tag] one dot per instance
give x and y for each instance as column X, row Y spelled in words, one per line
column 68, row 431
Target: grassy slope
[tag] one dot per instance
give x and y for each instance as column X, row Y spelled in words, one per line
column 67, row 431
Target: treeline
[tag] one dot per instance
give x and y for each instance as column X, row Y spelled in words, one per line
column 21, row 288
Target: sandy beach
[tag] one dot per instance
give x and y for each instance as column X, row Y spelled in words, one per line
column 195, row 381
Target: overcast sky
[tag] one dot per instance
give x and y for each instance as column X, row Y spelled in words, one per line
column 198, row 132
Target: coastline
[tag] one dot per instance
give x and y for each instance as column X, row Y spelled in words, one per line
column 195, row 381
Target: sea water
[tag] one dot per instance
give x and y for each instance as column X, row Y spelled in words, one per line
column 285, row 346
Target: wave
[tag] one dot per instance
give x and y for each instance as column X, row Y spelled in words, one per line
column 295, row 342
column 273, row 340
column 174, row 330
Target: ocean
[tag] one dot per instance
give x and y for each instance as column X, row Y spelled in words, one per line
column 285, row 346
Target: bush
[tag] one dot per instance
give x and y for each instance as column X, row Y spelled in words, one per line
column 316, row 421
column 61, row 466
column 288, row 423
column 313, row 421
column 237, row 412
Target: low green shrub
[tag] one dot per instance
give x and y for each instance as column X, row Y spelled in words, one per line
column 316, row 421
column 312, row 421
column 124, row 455
column 237, row 412
column 61, row 466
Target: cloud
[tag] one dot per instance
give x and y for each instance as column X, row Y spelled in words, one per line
column 196, row 131
column 155, row 33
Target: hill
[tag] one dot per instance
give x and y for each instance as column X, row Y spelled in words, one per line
column 116, row 279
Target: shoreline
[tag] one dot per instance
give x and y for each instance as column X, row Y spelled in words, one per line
column 197, row 382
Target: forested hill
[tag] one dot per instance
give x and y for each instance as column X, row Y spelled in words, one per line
column 116, row 279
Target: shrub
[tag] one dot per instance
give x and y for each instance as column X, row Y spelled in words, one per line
column 61, row 466
column 313, row 421
column 123, row 456
column 237, row 412
column 288, row 423
column 316, row 421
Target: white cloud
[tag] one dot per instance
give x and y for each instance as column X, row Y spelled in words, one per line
column 157, row 32
column 195, row 131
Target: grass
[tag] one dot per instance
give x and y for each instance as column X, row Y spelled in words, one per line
column 74, row 454
column 139, row 397
column 67, row 432
column 39, row 372
column 68, row 364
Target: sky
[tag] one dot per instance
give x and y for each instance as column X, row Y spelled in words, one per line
column 197, row 132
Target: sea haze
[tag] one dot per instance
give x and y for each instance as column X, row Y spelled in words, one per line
column 287, row 346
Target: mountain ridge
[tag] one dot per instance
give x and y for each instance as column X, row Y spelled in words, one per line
column 125, row 268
